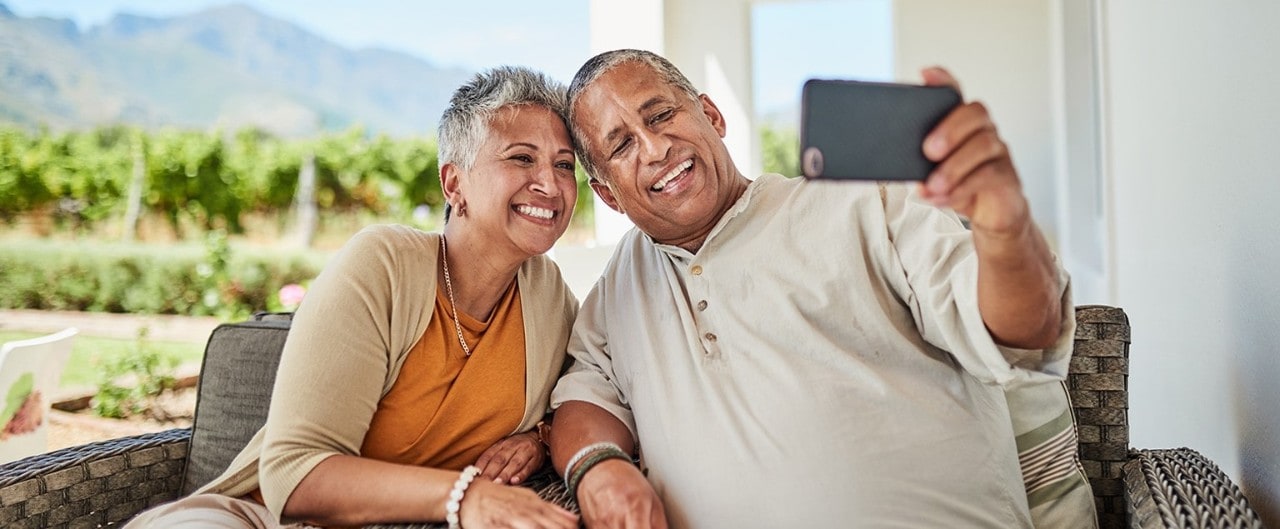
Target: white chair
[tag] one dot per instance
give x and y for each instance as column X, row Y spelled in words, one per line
column 29, row 373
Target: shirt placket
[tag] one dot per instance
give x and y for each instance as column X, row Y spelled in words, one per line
column 699, row 285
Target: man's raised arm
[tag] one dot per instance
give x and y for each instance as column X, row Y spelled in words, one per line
column 1018, row 291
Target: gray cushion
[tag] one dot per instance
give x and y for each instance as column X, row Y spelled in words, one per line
column 239, row 370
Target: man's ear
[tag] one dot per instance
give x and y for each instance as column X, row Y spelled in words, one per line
column 606, row 195
column 712, row 112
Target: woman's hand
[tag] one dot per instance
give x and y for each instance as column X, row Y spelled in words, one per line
column 492, row 505
column 513, row 459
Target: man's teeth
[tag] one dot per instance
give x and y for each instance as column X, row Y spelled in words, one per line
column 532, row 211
column 672, row 175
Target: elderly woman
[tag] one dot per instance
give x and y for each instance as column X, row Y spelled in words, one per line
column 418, row 369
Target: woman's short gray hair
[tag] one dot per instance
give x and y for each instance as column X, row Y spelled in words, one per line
column 465, row 123
column 601, row 64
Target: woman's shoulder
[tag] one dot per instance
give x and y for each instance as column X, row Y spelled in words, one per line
column 542, row 269
column 541, row 273
column 392, row 234
column 391, row 240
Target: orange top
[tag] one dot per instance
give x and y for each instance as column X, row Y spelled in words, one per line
column 445, row 409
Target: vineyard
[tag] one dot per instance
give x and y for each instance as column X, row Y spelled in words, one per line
column 209, row 180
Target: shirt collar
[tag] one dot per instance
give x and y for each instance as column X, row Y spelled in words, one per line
column 738, row 207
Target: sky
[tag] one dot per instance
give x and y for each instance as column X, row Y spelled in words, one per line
column 793, row 41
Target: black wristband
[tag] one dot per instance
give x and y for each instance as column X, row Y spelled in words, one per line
column 595, row 458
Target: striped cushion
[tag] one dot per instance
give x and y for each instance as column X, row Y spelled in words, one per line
column 1057, row 491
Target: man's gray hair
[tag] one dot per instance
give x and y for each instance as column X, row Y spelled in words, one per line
column 465, row 123
column 601, row 64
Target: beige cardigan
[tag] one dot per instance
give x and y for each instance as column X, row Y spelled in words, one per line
column 348, row 340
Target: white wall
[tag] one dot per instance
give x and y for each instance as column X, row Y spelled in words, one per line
column 1191, row 96
column 999, row 50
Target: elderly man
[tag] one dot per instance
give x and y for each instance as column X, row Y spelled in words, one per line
column 786, row 353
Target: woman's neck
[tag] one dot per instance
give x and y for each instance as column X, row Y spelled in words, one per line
column 479, row 275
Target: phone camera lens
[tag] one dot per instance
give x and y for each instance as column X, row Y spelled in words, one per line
column 812, row 162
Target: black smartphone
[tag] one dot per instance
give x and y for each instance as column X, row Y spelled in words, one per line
column 858, row 130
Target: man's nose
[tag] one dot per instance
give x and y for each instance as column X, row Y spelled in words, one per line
column 654, row 147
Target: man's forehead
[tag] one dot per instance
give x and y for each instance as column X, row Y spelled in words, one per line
column 620, row 91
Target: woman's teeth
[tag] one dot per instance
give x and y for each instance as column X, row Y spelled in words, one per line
column 672, row 175
column 532, row 211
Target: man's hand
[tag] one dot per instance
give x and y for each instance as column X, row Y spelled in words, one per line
column 615, row 495
column 975, row 175
column 512, row 459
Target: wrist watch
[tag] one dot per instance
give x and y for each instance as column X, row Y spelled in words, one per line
column 543, row 433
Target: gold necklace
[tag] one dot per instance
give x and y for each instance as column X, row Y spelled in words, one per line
column 448, row 284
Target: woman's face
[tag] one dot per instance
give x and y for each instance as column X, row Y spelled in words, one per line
column 521, row 189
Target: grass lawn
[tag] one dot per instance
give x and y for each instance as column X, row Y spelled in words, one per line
column 88, row 353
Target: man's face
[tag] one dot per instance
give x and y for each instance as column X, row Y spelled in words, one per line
column 660, row 153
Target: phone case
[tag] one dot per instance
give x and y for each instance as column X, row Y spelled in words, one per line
column 869, row 131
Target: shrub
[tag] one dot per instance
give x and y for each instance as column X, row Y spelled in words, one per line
column 215, row 279
column 152, row 374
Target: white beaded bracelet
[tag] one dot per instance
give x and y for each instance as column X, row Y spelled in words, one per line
column 568, row 469
column 454, row 505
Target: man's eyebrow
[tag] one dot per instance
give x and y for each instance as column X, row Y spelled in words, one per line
column 652, row 102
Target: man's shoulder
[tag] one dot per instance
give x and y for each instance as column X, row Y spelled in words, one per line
column 803, row 190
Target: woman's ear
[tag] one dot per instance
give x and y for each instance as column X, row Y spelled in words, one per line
column 451, row 183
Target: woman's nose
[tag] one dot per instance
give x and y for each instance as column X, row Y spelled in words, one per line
column 543, row 181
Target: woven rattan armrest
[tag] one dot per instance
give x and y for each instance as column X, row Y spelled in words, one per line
column 1182, row 488
column 93, row 484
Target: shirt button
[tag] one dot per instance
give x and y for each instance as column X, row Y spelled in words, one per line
column 710, row 337
column 696, row 270
column 702, row 305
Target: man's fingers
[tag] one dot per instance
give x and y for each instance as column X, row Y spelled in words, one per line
column 954, row 129
column 938, row 76
column 979, row 149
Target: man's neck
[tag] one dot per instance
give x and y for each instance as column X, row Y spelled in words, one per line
column 694, row 243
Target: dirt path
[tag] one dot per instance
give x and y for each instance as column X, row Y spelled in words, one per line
column 124, row 326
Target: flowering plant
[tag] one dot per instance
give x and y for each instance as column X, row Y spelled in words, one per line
column 291, row 295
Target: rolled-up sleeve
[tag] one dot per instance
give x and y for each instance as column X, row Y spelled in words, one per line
column 591, row 378
column 938, row 279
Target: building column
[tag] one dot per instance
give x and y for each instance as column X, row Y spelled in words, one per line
column 710, row 41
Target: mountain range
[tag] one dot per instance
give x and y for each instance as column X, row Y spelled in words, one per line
column 228, row 66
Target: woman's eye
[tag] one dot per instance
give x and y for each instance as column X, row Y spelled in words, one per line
column 523, row 158
column 565, row 165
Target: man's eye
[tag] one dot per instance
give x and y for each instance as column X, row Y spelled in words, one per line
column 621, row 147
column 661, row 116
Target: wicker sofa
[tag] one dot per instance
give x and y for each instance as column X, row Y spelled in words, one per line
column 108, row 482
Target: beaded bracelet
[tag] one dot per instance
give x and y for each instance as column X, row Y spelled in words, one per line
column 598, row 456
column 454, row 505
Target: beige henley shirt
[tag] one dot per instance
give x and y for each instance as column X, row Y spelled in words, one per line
column 820, row 362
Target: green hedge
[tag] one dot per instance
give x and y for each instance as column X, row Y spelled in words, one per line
column 213, row 279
